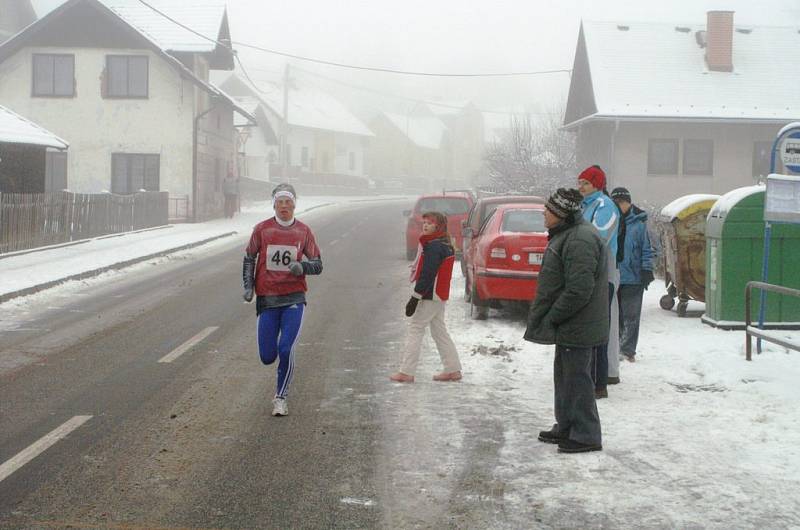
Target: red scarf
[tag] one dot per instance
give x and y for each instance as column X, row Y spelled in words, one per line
column 430, row 237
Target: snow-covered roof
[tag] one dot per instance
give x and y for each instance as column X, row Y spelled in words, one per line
column 658, row 70
column 423, row 131
column 732, row 198
column 673, row 209
column 203, row 16
column 308, row 107
column 18, row 130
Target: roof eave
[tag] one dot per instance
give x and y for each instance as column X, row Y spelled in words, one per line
column 670, row 119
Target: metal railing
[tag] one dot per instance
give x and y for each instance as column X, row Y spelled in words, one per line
column 761, row 334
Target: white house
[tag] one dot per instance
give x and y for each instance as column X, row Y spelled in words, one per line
column 128, row 89
column 672, row 109
column 325, row 145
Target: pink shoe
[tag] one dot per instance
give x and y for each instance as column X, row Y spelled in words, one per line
column 400, row 377
column 448, row 376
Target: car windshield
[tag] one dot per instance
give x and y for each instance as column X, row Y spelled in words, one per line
column 523, row 221
column 445, row 205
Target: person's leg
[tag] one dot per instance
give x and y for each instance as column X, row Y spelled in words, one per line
column 559, row 392
column 416, row 329
column 291, row 323
column 579, row 408
column 269, row 326
column 444, row 343
column 613, row 331
column 631, row 305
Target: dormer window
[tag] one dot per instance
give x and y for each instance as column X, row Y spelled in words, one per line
column 127, row 76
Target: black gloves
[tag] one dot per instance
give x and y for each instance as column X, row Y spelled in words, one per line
column 248, row 277
column 411, row 306
column 647, row 278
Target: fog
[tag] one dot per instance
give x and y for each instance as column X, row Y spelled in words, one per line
column 449, row 36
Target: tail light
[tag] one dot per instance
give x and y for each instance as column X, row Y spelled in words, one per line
column 498, row 252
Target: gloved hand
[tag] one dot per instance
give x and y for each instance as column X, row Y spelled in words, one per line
column 647, row 278
column 296, row 268
column 411, row 306
column 248, row 295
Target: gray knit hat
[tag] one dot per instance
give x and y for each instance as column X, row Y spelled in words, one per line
column 565, row 202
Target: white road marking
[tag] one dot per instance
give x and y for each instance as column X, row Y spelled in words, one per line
column 353, row 500
column 332, row 243
column 186, row 346
column 40, row 446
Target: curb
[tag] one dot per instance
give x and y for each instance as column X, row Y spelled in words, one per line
column 115, row 266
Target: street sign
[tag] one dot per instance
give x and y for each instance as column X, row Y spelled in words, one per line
column 790, row 152
column 782, row 199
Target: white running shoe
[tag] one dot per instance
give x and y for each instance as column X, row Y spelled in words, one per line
column 279, row 407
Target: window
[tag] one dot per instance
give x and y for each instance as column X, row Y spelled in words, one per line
column 443, row 204
column 126, row 76
column 698, row 157
column 761, row 158
column 132, row 172
column 55, row 171
column 523, row 221
column 352, row 161
column 53, row 75
column 304, row 156
column 662, row 157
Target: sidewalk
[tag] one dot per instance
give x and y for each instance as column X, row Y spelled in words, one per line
column 29, row 271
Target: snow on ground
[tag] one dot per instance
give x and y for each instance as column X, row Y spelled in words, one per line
column 694, row 436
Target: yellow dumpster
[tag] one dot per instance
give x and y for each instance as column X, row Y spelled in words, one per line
column 681, row 229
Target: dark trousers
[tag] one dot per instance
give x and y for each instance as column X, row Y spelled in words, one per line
column 630, row 312
column 600, row 353
column 575, row 406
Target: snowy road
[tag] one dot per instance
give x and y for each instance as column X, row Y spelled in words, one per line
column 694, row 437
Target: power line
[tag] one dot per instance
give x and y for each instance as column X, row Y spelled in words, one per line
column 351, row 66
column 405, row 98
column 401, row 72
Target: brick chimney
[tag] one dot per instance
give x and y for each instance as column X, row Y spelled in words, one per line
column 719, row 35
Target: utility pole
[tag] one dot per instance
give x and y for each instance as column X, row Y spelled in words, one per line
column 285, row 135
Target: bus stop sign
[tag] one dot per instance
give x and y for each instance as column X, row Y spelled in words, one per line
column 790, row 152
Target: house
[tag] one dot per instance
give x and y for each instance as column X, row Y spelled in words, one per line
column 411, row 150
column 466, row 125
column 128, row 88
column 31, row 157
column 669, row 110
column 14, row 16
column 325, row 144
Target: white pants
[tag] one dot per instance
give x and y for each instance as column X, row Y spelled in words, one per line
column 429, row 312
column 613, row 332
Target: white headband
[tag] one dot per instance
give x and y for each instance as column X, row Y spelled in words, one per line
column 283, row 193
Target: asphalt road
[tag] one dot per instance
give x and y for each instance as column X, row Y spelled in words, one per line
column 103, row 435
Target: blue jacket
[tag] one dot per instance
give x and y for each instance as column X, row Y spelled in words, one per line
column 600, row 210
column 638, row 250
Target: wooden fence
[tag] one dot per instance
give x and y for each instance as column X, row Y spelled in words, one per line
column 30, row 220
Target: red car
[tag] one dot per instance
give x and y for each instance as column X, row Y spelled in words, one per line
column 507, row 255
column 454, row 204
column 480, row 211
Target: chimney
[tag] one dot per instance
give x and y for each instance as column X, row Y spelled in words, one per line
column 719, row 35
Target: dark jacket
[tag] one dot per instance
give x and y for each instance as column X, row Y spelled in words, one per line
column 638, row 250
column 434, row 269
column 571, row 304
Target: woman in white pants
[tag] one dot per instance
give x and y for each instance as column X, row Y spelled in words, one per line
column 431, row 274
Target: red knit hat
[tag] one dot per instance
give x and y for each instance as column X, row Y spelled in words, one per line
column 595, row 176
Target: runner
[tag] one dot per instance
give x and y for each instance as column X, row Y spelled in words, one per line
column 281, row 252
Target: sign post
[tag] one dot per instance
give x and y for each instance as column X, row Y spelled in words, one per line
column 781, row 199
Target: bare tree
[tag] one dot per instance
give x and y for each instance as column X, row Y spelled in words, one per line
column 531, row 157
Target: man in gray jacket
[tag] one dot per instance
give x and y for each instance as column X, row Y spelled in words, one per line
column 571, row 311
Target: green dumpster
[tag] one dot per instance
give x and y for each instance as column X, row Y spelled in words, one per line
column 734, row 255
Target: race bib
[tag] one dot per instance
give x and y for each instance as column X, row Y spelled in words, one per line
column 280, row 256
